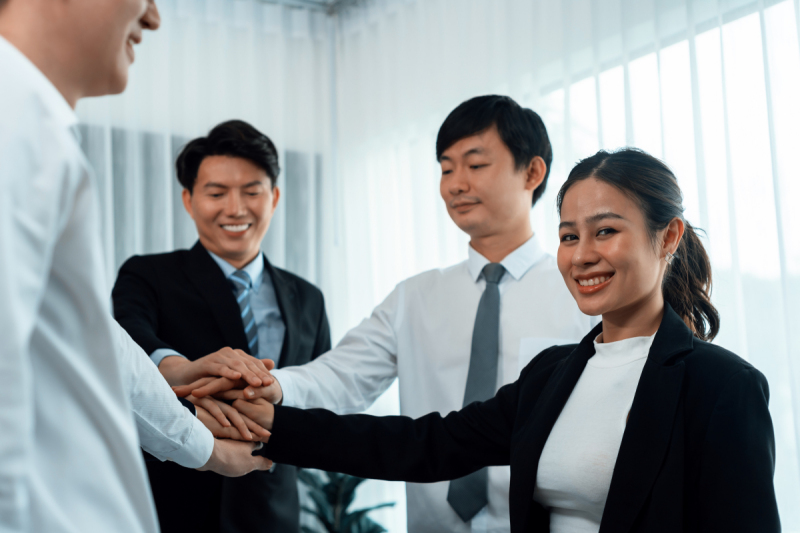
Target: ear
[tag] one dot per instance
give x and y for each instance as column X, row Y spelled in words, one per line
column 276, row 195
column 186, row 196
column 535, row 173
column 673, row 234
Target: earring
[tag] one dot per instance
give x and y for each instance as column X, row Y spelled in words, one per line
column 668, row 258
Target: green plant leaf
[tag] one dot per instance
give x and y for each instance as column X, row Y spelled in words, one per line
column 356, row 517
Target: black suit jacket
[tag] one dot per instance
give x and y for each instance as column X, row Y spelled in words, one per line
column 697, row 454
column 181, row 300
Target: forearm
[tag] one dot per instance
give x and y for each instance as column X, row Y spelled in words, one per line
column 166, row 429
column 424, row 450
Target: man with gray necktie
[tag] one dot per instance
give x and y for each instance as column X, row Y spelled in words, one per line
column 455, row 335
column 194, row 310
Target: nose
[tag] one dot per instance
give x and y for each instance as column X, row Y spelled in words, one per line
column 585, row 253
column 457, row 182
column 235, row 206
column 151, row 20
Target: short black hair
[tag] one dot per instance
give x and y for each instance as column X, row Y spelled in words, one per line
column 520, row 128
column 234, row 138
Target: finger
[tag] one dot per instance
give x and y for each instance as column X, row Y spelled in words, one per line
column 211, row 406
column 248, row 373
column 185, row 390
column 260, row 432
column 218, row 385
column 233, row 394
column 261, row 463
column 223, row 370
column 236, row 419
column 269, row 363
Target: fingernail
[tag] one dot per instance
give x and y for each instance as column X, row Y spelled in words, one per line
column 251, row 393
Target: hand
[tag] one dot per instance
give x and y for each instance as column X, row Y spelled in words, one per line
column 217, row 417
column 233, row 459
column 228, row 389
column 259, row 411
column 272, row 393
column 227, row 362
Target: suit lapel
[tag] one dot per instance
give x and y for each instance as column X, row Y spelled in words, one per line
column 286, row 294
column 646, row 439
column 545, row 412
column 209, row 281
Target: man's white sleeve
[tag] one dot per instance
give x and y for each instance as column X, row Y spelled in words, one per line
column 349, row 378
column 166, row 428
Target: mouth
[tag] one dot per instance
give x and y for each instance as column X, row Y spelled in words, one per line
column 463, row 207
column 236, row 229
column 132, row 41
column 591, row 285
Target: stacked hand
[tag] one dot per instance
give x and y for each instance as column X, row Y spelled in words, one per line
column 211, row 383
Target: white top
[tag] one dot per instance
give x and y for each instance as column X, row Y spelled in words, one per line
column 264, row 302
column 579, row 456
column 74, row 387
column 422, row 333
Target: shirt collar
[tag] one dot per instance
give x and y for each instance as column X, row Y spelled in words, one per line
column 517, row 263
column 19, row 68
column 255, row 268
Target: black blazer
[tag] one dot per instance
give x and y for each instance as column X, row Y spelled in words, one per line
column 181, row 300
column 697, row 455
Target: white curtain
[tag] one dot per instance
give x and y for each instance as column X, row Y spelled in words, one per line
column 712, row 87
column 354, row 101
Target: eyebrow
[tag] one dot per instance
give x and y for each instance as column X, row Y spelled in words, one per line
column 221, row 186
column 594, row 219
column 465, row 154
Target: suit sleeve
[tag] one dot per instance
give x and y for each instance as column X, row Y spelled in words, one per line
column 738, row 462
column 136, row 304
column 322, row 343
column 425, row 450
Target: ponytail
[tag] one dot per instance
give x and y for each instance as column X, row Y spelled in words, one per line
column 687, row 286
column 646, row 179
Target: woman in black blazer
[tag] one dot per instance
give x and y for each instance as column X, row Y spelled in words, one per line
column 696, row 451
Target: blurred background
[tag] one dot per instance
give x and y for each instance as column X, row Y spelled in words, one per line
column 352, row 92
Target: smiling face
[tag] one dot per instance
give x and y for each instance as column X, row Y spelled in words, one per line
column 232, row 204
column 485, row 194
column 606, row 255
column 105, row 32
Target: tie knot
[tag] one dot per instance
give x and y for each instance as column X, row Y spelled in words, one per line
column 241, row 281
column 493, row 272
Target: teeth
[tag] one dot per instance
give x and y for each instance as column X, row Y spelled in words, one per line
column 593, row 281
column 240, row 227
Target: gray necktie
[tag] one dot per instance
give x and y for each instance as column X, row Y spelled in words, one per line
column 242, row 287
column 468, row 495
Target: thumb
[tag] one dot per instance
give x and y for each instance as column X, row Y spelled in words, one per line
column 261, row 463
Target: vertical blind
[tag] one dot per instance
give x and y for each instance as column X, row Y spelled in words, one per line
column 354, row 100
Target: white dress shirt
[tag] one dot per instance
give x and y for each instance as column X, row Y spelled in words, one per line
column 264, row 302
column 422, row 333
column 74, row 387
column 578, row 459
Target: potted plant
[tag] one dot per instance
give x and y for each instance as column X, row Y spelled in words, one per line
column 332, row 498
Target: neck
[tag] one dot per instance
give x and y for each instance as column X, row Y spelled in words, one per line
column 638, row 320
column 31, row 35
column 496, row 247
column 239, row 264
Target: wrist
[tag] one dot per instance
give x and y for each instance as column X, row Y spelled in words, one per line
column 174, row 369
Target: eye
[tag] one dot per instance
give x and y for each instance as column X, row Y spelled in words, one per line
column 476, row 167
column 446, row 172
column 569, row 237
column 216, row 195
column 606, row 231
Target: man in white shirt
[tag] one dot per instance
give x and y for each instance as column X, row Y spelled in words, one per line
column 74, row 387
column 495, row 159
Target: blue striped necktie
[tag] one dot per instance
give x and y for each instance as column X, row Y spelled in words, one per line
column 242, row 287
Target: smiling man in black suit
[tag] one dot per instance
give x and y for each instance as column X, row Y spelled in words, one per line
column 202, row 311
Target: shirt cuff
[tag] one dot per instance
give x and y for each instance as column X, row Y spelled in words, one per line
column 161, row 353
column 287, row 387
column 197, row 450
